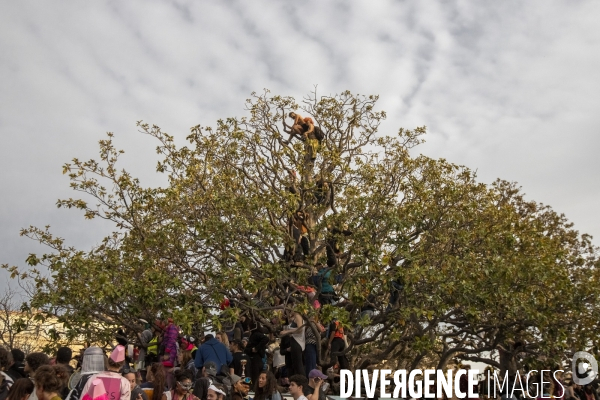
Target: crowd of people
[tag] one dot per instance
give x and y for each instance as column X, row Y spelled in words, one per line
column 226, row 365
column 218, row 367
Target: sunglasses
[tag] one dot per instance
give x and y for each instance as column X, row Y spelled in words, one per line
column 247, row 381
column 185, row 386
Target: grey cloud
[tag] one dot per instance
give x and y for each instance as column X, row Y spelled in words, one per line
column 507, row 88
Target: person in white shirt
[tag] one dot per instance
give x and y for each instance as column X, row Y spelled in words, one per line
column 297, row 385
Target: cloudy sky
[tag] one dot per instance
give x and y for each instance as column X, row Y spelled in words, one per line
column 509, row 88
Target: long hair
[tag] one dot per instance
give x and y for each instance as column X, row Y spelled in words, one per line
column 186, row 357
column 222, row 337
column 20, row 389
column 159, row 381
column 268, row 390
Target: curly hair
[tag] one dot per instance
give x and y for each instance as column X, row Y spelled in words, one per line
column 183, row 374
column 51, row 378
column 299, row 380
column 36, row 360
column 269, row 389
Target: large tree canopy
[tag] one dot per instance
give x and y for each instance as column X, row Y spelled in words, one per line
column 475, row 268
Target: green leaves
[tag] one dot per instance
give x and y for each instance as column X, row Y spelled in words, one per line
column 448, row 265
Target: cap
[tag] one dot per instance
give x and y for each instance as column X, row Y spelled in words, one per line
column 118, row 354
column 235, row 379
column 315, row 373
column 167, row 364
column 211, row 368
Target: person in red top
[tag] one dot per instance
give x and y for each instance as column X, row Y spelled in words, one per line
column 337, row 344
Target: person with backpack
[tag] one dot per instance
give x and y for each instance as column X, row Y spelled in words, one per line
column 92, row 363
column 116, row 385
column 215, row 351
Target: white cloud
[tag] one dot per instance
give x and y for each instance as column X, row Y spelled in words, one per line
column 507, row 88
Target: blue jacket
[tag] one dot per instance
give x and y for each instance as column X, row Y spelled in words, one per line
column 213, row 350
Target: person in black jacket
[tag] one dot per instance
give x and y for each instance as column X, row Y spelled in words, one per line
column 17, row 368
column 255, row 349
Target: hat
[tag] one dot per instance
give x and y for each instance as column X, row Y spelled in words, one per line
column 96, row 391
column 167, row 364
column 214, row 389
column 245, row 339
column 211, row 368
column 118, row 354
column 93, row 351
column 235, row 379
column 315, row 373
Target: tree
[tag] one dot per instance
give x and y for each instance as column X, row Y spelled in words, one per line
column 12, row 321
column 27, row 329
column 453, row 268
